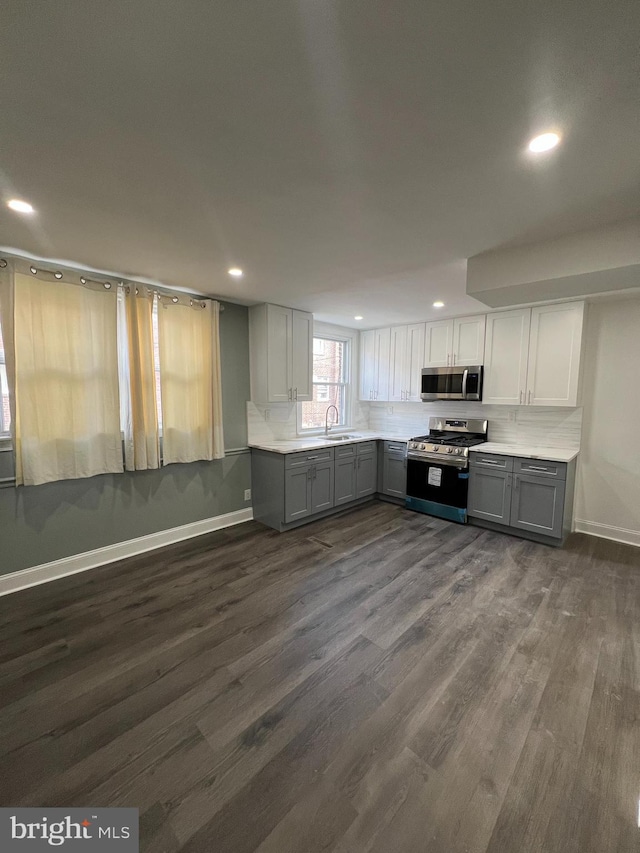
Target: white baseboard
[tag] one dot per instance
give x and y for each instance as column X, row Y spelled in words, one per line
column 110, row 553
column 608, row 531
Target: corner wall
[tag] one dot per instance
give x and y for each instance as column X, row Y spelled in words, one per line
column 608, row 486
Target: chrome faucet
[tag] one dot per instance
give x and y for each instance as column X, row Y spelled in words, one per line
column 326, row 419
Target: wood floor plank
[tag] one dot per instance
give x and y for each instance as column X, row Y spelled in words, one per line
column 376, row 681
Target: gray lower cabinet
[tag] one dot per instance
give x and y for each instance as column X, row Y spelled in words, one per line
column 307, row 490
column 366, row 469
column 297, row 493
column 322, row 486
column 292, row 488
column 345, row 480
column 524, row 495
column 537, row 504
column 489, row 495
column 393, row 480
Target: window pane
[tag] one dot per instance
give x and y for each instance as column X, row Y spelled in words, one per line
column 329, row 361
column 314, row 412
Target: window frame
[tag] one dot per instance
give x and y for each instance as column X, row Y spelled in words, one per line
column 349, row 337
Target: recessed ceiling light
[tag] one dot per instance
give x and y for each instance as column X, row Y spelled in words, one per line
column 19, row 206
column 236, row 272
column 544, row 142
column 438, row 304
column 358, row 317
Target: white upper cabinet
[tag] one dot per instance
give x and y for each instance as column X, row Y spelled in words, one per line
column 468, row 340
column 555, row 347
column 506, row 356
column 302, row 355
column 375, row 358
column 406, row 362
column 281, row 342
column 532, row 356
column 451, row 342
column 438, row 343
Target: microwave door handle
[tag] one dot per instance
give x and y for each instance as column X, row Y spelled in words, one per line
column 465, row 376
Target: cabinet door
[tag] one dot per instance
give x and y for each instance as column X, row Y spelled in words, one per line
column 505, row 357
column 555, row 346
column 322, row 486
column 394, row 475
column 345, row 480
column 468, row 340
column 438, row 343
column 297, row 493
column 382, row 356
column 414, row 361
column 367, row 364
column 489, row 495
column 366, row 474
column 279, row 343
column 302, row 355
column 397, row 364
column 537, row 504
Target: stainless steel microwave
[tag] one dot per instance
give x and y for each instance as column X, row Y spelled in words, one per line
column 451, row 383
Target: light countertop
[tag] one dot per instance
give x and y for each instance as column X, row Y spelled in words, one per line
column 527, row 451
column 314, row 443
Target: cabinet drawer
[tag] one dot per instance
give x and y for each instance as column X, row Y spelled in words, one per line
column 541, row 468
column 307, row 457
column 395, row 447
column 366, row 447
column 344, row 451
column 491, row 460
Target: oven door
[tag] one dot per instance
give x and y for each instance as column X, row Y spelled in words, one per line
column 437, row 488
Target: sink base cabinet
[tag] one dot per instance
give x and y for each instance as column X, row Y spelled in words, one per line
column 527, row 497
column 292, row 489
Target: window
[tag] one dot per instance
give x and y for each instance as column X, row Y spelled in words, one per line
column 330, row 384
column 5, row 413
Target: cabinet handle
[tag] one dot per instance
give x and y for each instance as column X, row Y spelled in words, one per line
column 521, row 398
column 355, row 463
column 490, row 462
column 536, row 468
column 314, row 472
column 453, row 359
column 312, row 457
column 529, row 397
column 517, row 482
column 448, row 359
column 309, row 473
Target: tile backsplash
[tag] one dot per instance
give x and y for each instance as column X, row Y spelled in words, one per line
column 544, row 427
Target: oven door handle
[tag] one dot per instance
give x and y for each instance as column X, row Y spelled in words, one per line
column 445, row 461
column 465, row 376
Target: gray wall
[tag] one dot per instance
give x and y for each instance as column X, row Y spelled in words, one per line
column 43, row 523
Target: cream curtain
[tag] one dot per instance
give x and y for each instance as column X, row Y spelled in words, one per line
column 191, row 387
column 6, row 320
column 138, row 404
column 67, row 422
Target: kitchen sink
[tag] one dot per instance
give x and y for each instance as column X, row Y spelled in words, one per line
column 342, row 437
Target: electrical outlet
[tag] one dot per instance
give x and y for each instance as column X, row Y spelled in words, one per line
column 511, row 416
column 247, row 494
column 267, row 414
column 389, row 410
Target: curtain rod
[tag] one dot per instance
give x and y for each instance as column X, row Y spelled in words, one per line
column 86, row 279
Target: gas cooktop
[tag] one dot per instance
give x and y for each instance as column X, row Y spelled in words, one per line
column 449, row 437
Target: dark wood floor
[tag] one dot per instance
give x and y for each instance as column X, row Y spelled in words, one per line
column 382, row 681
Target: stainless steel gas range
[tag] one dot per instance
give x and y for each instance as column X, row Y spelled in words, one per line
column 438, row 467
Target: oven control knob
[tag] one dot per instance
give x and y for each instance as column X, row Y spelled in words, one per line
column 449, row 449
column 422, row 447
column 435, row 448
column 458, row 451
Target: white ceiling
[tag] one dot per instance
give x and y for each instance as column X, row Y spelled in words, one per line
column 348, row 155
